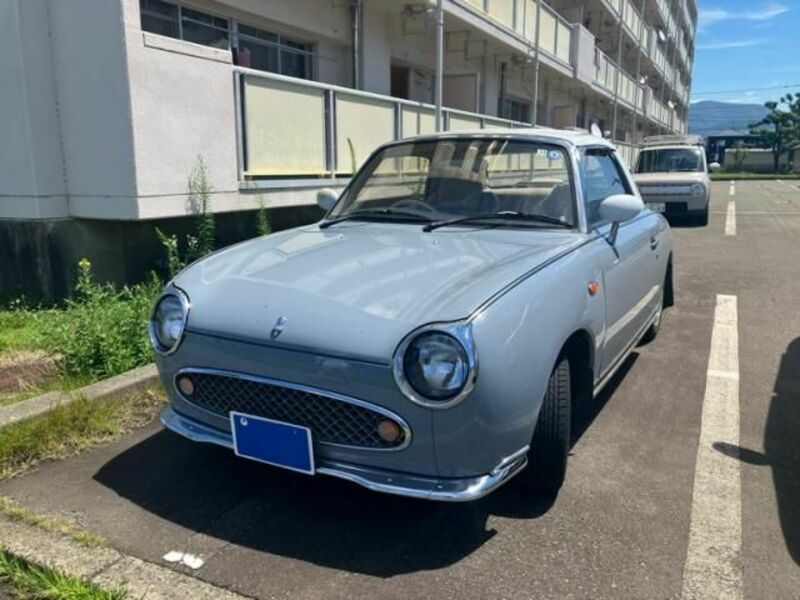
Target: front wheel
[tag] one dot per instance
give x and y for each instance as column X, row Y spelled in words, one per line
column 547, row 457
column 702, row 219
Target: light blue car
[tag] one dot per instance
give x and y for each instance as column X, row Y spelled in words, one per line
column 438, row 332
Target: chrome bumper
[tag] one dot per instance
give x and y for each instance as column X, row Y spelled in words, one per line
column 389, row 482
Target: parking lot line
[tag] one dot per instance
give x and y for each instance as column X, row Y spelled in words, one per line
column 732, row 191
column 730, row 219
column 713, row 559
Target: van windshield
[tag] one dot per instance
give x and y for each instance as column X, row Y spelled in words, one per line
column 670, row 160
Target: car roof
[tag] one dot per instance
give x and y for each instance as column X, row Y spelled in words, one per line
column 575, row 137
column 670, row 147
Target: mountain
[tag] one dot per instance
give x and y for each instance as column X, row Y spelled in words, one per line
column 708, row 116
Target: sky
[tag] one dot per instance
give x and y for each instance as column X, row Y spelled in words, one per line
column 743, row 46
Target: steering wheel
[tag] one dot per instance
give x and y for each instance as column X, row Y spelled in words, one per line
column 412, row 204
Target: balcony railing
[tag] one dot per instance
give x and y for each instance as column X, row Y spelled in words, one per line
column 291, row 127
column 606, row 76
column 555, row 33
column 628, row 152
column 659, row 111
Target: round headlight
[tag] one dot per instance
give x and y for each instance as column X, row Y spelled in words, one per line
column 436, row 365
column 698, row 189
column 168, row 321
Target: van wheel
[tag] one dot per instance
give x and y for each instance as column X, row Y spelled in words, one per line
column 702, row 220
column 547, row 457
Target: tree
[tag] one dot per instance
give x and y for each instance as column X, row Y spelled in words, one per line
column 780, row 128
column 740, row 154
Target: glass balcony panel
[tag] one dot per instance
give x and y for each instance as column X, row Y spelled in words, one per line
column 362, row 124
column 280, row 146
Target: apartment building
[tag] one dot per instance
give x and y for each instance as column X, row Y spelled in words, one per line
column 107, row 104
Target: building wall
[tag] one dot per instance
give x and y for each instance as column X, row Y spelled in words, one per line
column 94, row 105
column 32, row 181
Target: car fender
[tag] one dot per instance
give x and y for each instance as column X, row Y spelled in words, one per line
column 518, row 338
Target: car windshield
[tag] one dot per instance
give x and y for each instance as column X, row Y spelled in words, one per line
column 670, row 160
column 488, row 180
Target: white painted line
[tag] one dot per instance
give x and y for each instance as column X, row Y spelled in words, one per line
column 730, row 219
column 732, row 191
column 713, row 560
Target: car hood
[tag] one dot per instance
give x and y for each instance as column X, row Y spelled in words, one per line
column 676, row 178
column 357, row 289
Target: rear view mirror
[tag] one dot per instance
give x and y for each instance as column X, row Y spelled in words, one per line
column 617, row 209
column 326, row 198
column 620, row 208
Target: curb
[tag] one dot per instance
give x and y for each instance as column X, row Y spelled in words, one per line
column 129, row 381
column 105, row 567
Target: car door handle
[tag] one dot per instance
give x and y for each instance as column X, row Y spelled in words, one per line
column 653, row 243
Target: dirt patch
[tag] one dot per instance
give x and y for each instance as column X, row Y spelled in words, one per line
column 23, row 370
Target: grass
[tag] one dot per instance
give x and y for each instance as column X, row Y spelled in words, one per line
column 753, row 176
column 28, row 580
column 69, row 429
column 65, row 527
column 61, row 383
column 23, row 328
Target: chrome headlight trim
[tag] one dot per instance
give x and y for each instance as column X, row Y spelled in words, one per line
column 462, row 332
column 178, row 293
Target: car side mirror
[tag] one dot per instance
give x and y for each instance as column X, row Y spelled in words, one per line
column 619, row 208
column 714, row 166
column 326, row 199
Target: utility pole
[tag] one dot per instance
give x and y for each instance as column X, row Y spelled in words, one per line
column 439, row 63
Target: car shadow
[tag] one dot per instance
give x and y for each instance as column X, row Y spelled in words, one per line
column 320, row 520
column 781, row 447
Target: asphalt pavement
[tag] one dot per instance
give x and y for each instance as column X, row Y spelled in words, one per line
column 636, row 517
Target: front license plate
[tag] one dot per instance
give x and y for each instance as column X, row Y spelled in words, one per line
column 272, row 442
column 658, row 207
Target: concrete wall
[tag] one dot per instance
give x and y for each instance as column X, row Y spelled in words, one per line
column 94, row 105
column 32, row 183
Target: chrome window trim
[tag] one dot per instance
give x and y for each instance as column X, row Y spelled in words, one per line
column 170, row 290
column 462, row 331
column 300, row 388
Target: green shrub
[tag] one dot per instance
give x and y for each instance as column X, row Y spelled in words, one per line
column 102, row 331
column 263, row 225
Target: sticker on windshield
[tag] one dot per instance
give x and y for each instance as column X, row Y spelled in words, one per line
column 554, row 155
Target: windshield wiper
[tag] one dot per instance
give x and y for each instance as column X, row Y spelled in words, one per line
column 371, row 213
column 514, row 215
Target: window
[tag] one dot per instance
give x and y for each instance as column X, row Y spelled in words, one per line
column 444, row 179
column 267, row 51
column 516, row 110
column 602, row 177
column 159, row 17
column 202, row 28
column 256, row 48
column 670, row 160
column 184, row 23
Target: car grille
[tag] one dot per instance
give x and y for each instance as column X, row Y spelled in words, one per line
column 330, row 420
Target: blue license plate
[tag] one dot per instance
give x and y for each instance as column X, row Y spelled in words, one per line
column 272, row 442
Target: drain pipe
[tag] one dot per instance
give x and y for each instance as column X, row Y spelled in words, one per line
column 356, row 14
column 439, row 64
column 535, row 111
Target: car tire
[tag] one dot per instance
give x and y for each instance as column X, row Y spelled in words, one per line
column 547, row 456
column 702, row 220
column 652, row 331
